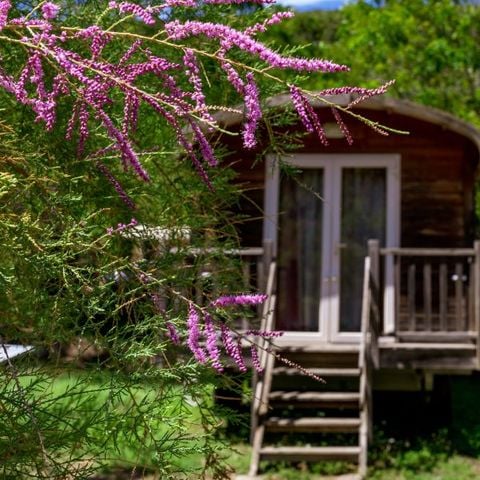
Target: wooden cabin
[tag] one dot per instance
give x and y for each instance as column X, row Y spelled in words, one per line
column 372, row 268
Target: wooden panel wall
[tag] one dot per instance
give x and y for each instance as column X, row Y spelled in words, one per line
column 438, row 169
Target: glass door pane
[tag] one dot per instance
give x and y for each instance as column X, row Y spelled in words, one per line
column 363, row 217
column 300, row 251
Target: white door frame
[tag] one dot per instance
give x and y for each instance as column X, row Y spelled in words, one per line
column 332, row 165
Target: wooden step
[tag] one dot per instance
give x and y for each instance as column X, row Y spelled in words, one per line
column 312, row 424
column 319, row 372
column 320, row 359
column 299, row 397
column 301, row 347
column 310, row 453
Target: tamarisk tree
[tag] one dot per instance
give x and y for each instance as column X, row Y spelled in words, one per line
column 107, row 109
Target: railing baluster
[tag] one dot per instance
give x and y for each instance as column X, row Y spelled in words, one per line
column 476, row 281
column 471, row 296
column 427, row 295
column 446, row 302
column 443, row 295
column 411, row 297
column 398, row 289
column 459, row 318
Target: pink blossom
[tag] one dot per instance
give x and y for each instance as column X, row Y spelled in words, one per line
column 122, row 226
column 233, row 38
column 264, row 333
column 212, row 349
column 244, row 299
column 193, row 326
column 98, row 37
column 130, row 112
column 307, row 114
column 98, row 82
column 193, row 74
column 144, row 14
column 359, row 91
column 116, row 185
column 253, row 112
column 276, row 18
column 196, row 3
column 238, row 2
column 232, row 75
column 172, row 333
column 127, row 153
column 343, row 127
column 5, row 6
column 204, row 145
column 298, row 101
column 50, row 10
column 232, row 347
column 255, row 360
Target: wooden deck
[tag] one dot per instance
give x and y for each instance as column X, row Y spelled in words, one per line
column 435, row 322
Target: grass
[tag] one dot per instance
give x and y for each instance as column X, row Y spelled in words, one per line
column 418, row 436
column 446, row 454
column 116, row 423
column 431, row 458
column 456, row 467
column 407, row 466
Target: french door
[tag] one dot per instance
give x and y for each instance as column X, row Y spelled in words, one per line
column 319, row 220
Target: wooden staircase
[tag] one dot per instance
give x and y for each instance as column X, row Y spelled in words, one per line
column 314, row 404
column 302, row 419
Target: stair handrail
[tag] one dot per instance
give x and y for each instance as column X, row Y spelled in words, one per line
column 267, row 324
column 267, row 321
column 364, row 357
column 261, row 382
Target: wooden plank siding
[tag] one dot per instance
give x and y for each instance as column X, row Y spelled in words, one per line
column 437, row 177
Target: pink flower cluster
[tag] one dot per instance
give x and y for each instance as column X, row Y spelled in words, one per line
column 50, row 10
column 307, row 114
column 121, row 227
column 243, row 299
column 229, row 38
column 360, row 93
column 144, row 14
column 5, row 6
column 276, row 18
column 264, row 333
column 231, row 342
column 138, row 77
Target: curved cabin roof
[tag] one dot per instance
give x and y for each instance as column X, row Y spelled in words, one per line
column 439, row 160
column 390, row 105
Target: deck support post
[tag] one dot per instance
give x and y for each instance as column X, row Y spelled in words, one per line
column 476, row 247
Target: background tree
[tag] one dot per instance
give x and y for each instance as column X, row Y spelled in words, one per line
column 430, row 48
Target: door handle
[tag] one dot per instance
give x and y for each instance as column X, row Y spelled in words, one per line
column 340, row 246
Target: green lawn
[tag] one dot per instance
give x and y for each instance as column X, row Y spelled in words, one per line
column 110, row 421
column 92, row 410
column 455, row 467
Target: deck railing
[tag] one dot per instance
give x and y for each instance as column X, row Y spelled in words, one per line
column 436, row 291
column 213, row 263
